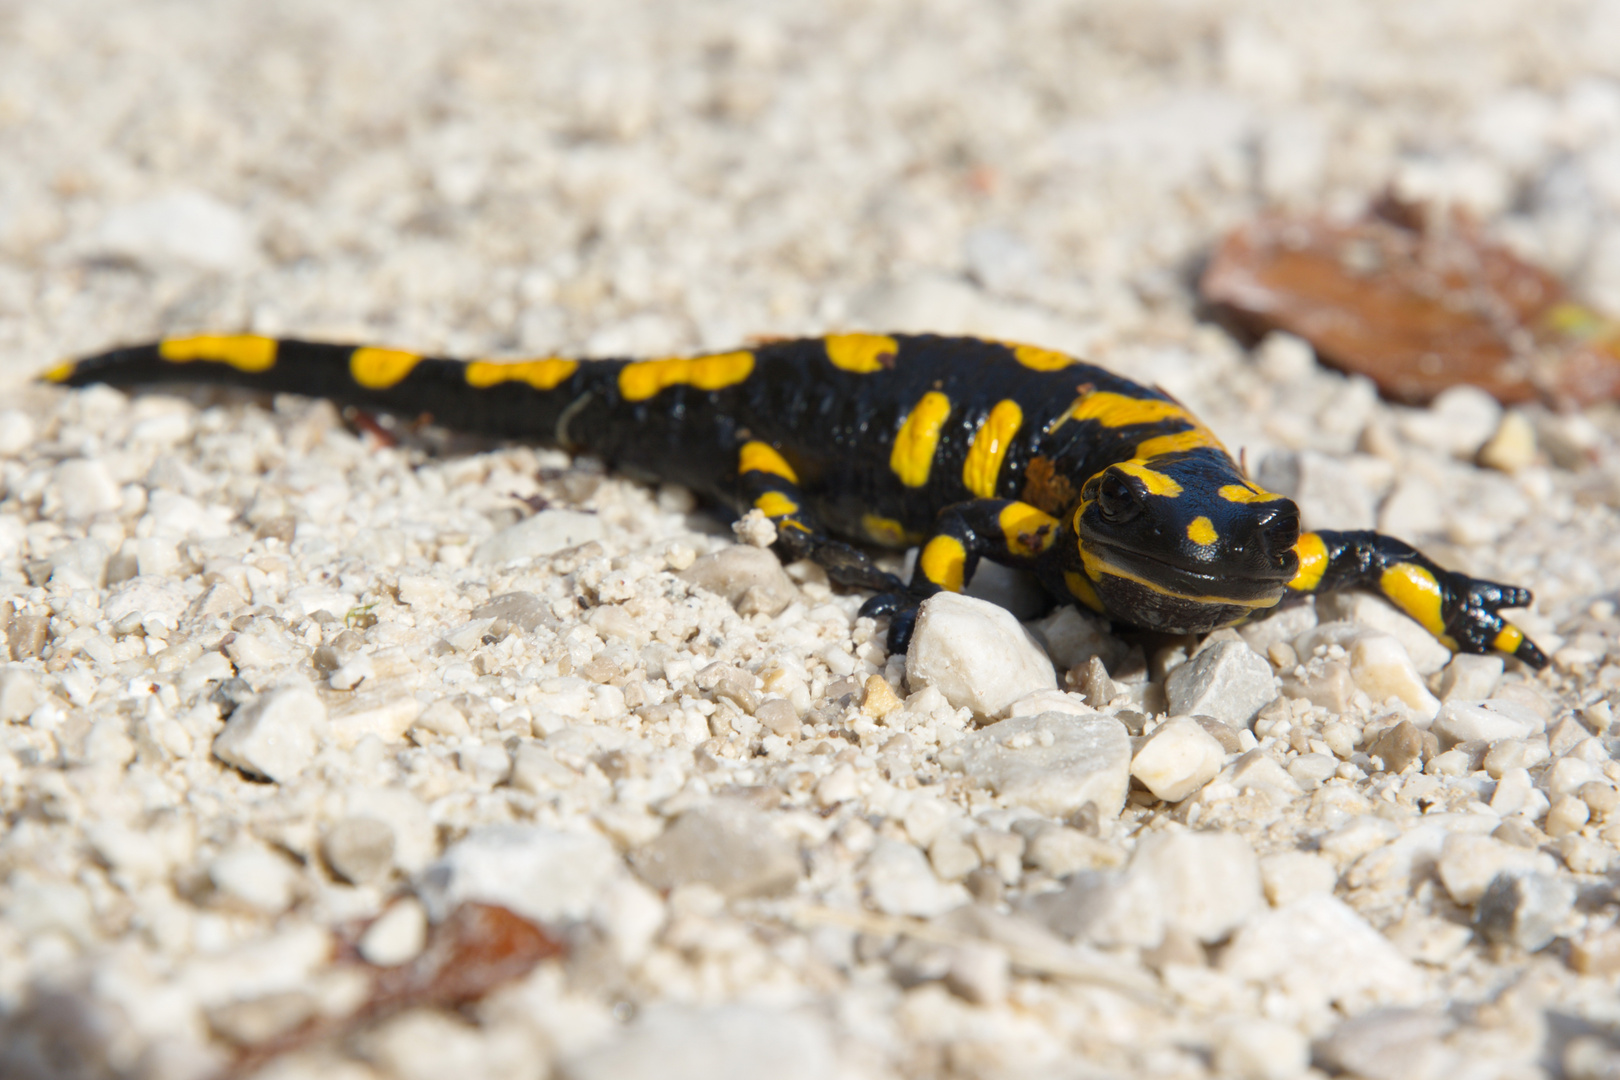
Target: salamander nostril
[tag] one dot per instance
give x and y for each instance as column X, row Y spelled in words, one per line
column 1278, row 530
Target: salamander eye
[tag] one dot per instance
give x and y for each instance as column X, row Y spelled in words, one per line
column 1117, row 500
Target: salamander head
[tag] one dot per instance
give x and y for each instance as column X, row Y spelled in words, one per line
column 1182, row 543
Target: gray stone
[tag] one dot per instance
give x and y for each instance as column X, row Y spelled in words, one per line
column 1483, row 721
column 1073, row 637
column 1054, row 763
column 725, row 844
column 273, row 736
column 539, row 873
column 518, row 610
column 1387, row 1044
column 1103, row 909
column 976, row 654
column 751, row 579
column 1228, row 681
column 360, row 850
column 729, row 1042
column 545, row 533
column 1524, row 909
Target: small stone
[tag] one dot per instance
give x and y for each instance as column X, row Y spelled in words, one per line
column 487, row 764
column 976, row 654
column 780, row 718
column 1567, row 815
column 1074, row 637
column 746, row 576
column 397, row 936
column 1596, row 954
column 83, row 488
column 1058, row 851
column 726, row 845
column 1380, row 666
column 81, row 565
column 1468, row 864
column 1375, row 613
column 442, row 718
column 1221, row 733
column 754, row 529
column 979, row 973
column 1512, row 447
column 360, row 850
column 19, row 693
column 1228, row 681
column 1470, row 678
column 16, row 432
column 879, row 699
column 1398, row 747
column 273, row 736
column 952, row 856
column 728, row 1042
column 1524, row 909
column 1313, row 770
column 1387, row 1044
column 255, row 877
column 1513, row 793
column 186, row 227
column 1566, row 776
column 536, row 872
column 546, row 533
column 1178, row 759
column 519, row 610
column 1289, row 875
column 1602, row 797
column 1585, row 856
column 1261, row 1050
column 1480, row 721
column 1520, row 833
column 1208, row 883
column 1054, row 763
column 1319, row 951
column 1506, row 755
column 899, row 881
column 1104, row 909
column 1259, row 771
column 387, row 720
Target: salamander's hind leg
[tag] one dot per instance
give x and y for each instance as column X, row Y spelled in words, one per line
column 1459, row 610
column 1003, row 530
column 770, row 486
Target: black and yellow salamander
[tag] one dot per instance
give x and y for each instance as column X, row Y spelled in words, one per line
column 1112, row 494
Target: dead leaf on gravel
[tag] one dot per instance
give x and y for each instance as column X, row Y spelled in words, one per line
column 1418, row 302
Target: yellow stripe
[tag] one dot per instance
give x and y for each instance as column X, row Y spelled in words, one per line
column 244, row 352
column 1157, row 483
column 762, row 457
column 1082, row 590
column 942, row 562
column 61, row 372
column 1096, row 567
column 380, row 369
column 885, row 530
column 1508, row 639
column 1313, row 562
column 1201, row 531
column 861, row 353
column 1113, row 410
column 1247, row 493
column 1415, row 591
column 1179, row 443
column 641, row 380
column 990, row 445
column 545, row 374
column 1038, row 359
column 1026, row 530
column 913, row 454
column 774, row 504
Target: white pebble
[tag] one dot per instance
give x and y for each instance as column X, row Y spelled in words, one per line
column 976, row 654
column 900, row 881
column 82, row 488
column 1054, row 763
column 1228, row 681
column 19, row 693
column 1469, row 863
column 1481, row 721
column 1261, row 1050
column 545, row 533
column 1380, row 666
column 397, row 936
column 16, row 432
column 274, row 736
column 1470, row 678
column 1178, row 759
column 539, row 873
column 256, row 877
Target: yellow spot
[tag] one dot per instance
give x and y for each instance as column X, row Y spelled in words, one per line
column 1202, row 531
column 942, row 562
column 1113, row 410
column 61, row 372
column 545, row 374
column 914, row 445
column 641, row 380
column 1097, row 567
column 1156, row 482
column 1038, row 359
column 1081, row 589
column 774, row 504
column 1508, row 639
column 1247, row 493
column 884, row 530
column 1027, row 530
column 762, row 457
column 990, row 444
column 379, row 369
column 1313, row 562
column 1179, row 443
column 244, row 352
column 1415, row 591
column 862, row 353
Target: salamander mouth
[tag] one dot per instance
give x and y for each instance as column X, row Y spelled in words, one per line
column 1103, row 560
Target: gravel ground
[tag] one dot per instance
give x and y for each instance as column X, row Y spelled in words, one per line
column 270, row 678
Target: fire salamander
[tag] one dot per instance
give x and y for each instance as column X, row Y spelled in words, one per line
column 1112, row 494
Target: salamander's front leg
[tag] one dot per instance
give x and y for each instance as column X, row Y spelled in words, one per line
column 1459, row 610
column 1002, row 530
column 769, row 485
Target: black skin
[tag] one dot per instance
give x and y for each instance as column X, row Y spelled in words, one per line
column 1123, row 503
